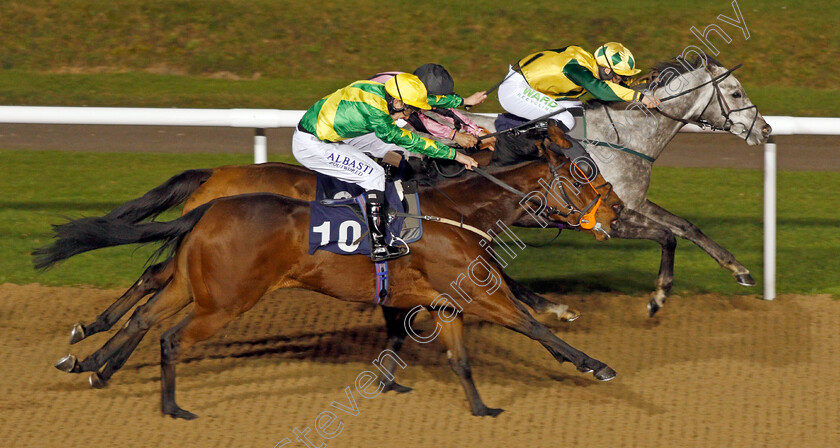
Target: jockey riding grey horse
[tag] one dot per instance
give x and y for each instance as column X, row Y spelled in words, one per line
column 625, row 140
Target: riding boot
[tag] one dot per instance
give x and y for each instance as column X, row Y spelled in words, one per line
column 377, row 224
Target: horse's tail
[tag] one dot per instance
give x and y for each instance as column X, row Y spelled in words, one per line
column 82, row 235
column 161, row 198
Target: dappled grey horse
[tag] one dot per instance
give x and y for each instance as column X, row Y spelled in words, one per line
column 626, row 139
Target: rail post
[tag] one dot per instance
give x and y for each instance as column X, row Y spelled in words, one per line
column 770, row 219
column 260, row 146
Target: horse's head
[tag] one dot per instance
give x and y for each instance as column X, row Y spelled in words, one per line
column 576, row 193
column 735, row 112
column 711, row 95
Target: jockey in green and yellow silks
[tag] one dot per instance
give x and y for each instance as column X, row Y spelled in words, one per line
column 334, row 134
column 362, row 108
column 552, row 80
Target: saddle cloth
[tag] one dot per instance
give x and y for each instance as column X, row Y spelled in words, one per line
column 341, row 228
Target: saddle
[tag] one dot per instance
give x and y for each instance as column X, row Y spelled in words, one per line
column 337, row 222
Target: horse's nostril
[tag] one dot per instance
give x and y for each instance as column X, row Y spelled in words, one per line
column 766, row 130
column 614, row 224
column 618, row 208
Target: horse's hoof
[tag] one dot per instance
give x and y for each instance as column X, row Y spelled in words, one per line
column 67, row 364
column 584, row 369
column 398, row 388
column 605, row 374
column 488, row 412
column 96, row 381
column 77, row 333
column 177, row 412
column 652, row 307
column 570, row 315
column 744, row 279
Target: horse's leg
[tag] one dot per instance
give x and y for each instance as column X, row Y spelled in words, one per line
column 684, row 229
column 163, row 304
column 395, row 325
column 195, row 328
column 153, row 279
column 634, row 225
column 539, row 303
column 452, row 334
column 99, row 380
column 498, row 305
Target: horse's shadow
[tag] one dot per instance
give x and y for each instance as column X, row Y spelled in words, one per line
column 365, row 343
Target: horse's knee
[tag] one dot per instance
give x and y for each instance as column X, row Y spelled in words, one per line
column 460, row 366
column 169, row 346
column 156, row 276
column 669, row 240
column 687, row 230
column 141, row 320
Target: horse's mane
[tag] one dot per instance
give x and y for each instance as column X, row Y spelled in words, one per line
column 659, row 67
column 684, row 67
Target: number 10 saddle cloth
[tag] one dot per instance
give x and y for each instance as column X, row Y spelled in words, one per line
column 341, row 226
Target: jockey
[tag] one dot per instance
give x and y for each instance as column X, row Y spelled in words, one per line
column 553, row 80
column 443, row 121
column 326, row 141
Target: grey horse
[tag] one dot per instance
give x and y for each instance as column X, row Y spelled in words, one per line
column 625, row 140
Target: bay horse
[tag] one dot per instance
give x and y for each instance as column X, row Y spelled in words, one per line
column 229, row 252
column 197, row 187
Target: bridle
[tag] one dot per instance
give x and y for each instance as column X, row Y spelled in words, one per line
column 725, row 109
column 585, row 216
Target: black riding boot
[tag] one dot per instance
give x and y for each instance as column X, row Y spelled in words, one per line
column 377, row 222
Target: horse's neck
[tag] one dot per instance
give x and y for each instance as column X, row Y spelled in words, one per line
column 480, row 201
column 645, row 130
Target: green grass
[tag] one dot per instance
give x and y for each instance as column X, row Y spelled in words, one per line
column 287, row 54
column 727, row 205
column 40, row 188
column 45, row 187
column 152, row 90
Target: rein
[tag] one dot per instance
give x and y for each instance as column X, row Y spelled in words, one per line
column 725, row 110
column 523, row 125
column 618, row 140
column 702, row 123
column 448, row 221
column 585, row 220
column 620, row 148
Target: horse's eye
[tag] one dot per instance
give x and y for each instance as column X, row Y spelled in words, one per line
column 736, row 95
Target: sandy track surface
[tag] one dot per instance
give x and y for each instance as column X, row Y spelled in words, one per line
column 708, row 371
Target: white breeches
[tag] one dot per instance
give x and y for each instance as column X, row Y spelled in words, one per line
column 343, row 160
column 518, row 98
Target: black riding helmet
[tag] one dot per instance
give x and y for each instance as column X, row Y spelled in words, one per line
column 438, row 81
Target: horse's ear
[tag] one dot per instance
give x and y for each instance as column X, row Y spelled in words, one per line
column 553, row 150
column 557, row 136
column 648, row 78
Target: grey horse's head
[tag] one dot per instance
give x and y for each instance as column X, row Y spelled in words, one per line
column 728, row 107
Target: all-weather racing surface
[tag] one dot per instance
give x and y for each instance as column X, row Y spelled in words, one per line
column 708, row 371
